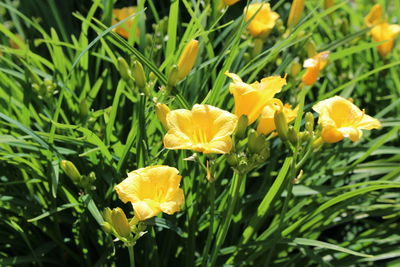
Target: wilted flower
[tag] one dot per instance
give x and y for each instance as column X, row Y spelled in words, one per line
column 267, row 123
column 374, row 16
column 152, row 190
column 205, row 129
column 120, row 14
column 262, row 22
column 250, row 99
column 385, row 32
column 340, row 118
column 314, row 65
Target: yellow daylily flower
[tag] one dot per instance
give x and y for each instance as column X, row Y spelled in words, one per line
column 120, row 14
column 263, row 21
column 230, row 2
column 385, row 32
column 205, row 129
column 340, row 118
column 267, row 124
column 296, row 10
column 374, row 16
column 152, row 190
column 314, row 65
column 250, row 99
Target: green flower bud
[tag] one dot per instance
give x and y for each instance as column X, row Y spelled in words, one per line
column 281, row 125
column 84, row 108
column 256, row 142
column 139, row 76
column 106, row 213
column 240, row 132
column 232, row 159
column 120, row 222
column 292, row 135
column 295, row 68
column 311, row 48
column 71, row 171
column 124, row 69
column 107, row 227
column 173, row 76
column 309, row 121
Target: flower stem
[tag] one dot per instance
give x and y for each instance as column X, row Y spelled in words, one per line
column 131, row 256
column 223, row 230
column 211, row 226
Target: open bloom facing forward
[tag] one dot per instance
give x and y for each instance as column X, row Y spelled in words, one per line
column 340, row 118
column 120, row 14
column 314, row 66
column 374, row 16
column 250, row 99
column 152, row 190
column 385, row 32
column 263, row 22
column 267, row 123
column 205, row 129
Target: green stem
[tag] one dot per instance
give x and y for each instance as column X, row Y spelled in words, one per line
column 222, row 232
column 211, row 226
column 131, row 256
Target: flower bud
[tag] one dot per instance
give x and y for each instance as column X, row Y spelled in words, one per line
column 141, row 227
column 173, row 76
column 232, row 159
column 292, row 135
column 281, row 125
column 70, row 170
column 296, row 11
column 124, row 69
column 106, row 213
column 162, row 110
column 241, row 128
column 258, row 47
column 311, row 48
column 139, row 76
column 256, row 142
column 83, row 108
column 120, row 222
column 188, row 58
column 107, row 227
column 309, row 122
column 328, row 3
column 295, row 68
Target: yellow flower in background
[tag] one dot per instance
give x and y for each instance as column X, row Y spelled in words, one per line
column 263, row 22
column 340, row 118
column 120, row 14
column 374, row 16
column 314, row 65
column 267, row 124
column 296, row 10
column 230, row 2
column 205, row 129
column 152, row 190
column 385, row 32
column 250, row 99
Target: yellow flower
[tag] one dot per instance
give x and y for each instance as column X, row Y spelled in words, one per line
column 263, row 22
column 340, row 118
column 296, row 11
column 385, row 32
column 374, row 16
column 267, row 123
column 250, row 99
column 230, row 2
column 152, row 190
column 120, row 14
column 314, row 65
column 205, row 129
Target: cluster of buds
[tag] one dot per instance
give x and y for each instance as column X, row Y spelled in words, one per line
column 44, row 88
column 134, row 74
column 85, row 181
column 257, row 150
column 117, row 224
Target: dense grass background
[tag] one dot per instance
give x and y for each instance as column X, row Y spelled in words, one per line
column 345, row 208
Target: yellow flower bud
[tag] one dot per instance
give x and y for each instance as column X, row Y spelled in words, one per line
column 230, row 2
column 295, row 69
column 187, row 59
column 328, row 3
column 107, row 227
column 309, row 121
column 120, row 222
column 106, row 213
column 162, row 110
column 311, row 48
column 295, row 13
column 124, row 69
column 70, row 170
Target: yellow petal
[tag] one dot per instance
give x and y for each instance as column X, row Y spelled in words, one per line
column 144, row 210
column 230, row 2
column 369, row 123
column 331, row 135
